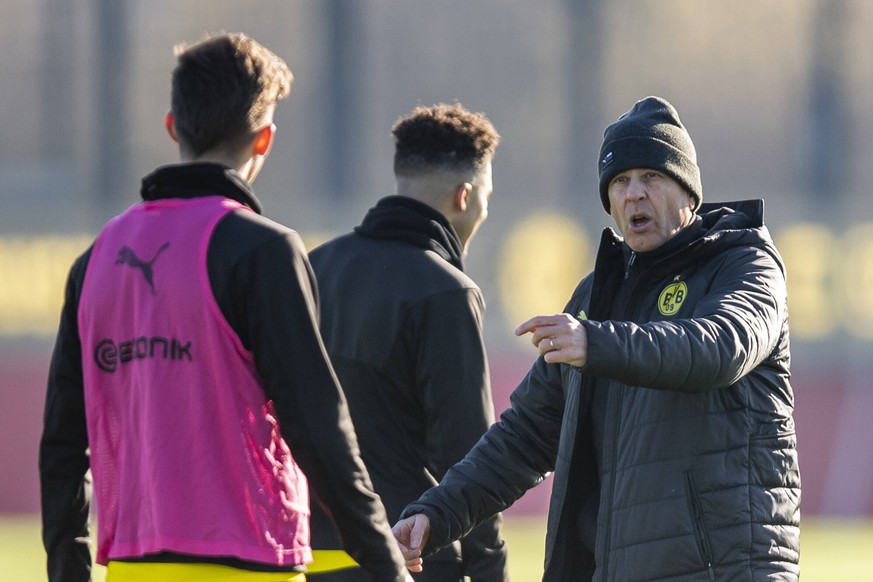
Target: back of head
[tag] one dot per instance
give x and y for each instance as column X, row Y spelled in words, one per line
column 650, row 135
column 223, row 88
column 442, row 138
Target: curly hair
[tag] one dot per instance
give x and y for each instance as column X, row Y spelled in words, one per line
column 443, row 137
column 222, row 88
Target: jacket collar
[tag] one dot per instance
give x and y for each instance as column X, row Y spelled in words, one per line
column 195, row 180
column 408, row 220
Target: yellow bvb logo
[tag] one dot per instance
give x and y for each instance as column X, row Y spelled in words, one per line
column 671, row 298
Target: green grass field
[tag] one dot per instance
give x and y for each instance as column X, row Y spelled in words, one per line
column 832, row 551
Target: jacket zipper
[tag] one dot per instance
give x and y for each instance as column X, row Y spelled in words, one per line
column 615, row 401
column 630, row 263
column 700, row 533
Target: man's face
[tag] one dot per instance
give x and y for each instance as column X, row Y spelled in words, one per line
column 649, row 207
column 477, row 207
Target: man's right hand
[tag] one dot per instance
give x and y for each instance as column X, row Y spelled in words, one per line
column 411, row 534
column 560, row 338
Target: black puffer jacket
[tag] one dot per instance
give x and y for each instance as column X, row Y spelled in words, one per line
column 689, row 470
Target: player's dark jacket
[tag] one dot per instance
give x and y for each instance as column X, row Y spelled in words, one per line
column 684, row 410
column 403, row 326
column 262, row 281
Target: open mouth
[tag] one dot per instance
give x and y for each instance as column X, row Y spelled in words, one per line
column 638, row 222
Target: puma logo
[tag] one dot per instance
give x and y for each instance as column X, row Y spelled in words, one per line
column 126, row 255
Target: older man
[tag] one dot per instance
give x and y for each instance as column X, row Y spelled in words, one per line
column 661, row 398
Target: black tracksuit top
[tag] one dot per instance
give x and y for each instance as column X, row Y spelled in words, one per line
column 403, row 323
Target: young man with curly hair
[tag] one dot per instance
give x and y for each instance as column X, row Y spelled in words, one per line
column 189, row 374
column 402, row 323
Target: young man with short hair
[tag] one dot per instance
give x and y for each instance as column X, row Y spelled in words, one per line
column 189, row 374
column 403, row 325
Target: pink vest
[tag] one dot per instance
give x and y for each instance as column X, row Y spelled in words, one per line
column 186, row 453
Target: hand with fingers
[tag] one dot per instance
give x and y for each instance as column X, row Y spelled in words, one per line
column 411, row 534
column 560, row 338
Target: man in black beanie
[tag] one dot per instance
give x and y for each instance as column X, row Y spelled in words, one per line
column 661, row 398
column 650, row 135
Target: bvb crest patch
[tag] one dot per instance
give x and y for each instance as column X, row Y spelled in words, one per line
column 671, row 298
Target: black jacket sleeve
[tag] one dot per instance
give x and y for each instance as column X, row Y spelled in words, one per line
column 270, row 298
column 516, row 454
column 63, row 457
column 732, row 329
column 456, row 394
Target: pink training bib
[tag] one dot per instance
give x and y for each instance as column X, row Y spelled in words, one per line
column 186, row 454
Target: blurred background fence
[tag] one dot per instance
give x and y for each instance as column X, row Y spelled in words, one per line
column 775, row 94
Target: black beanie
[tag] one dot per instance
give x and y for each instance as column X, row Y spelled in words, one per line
column 650, row 135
